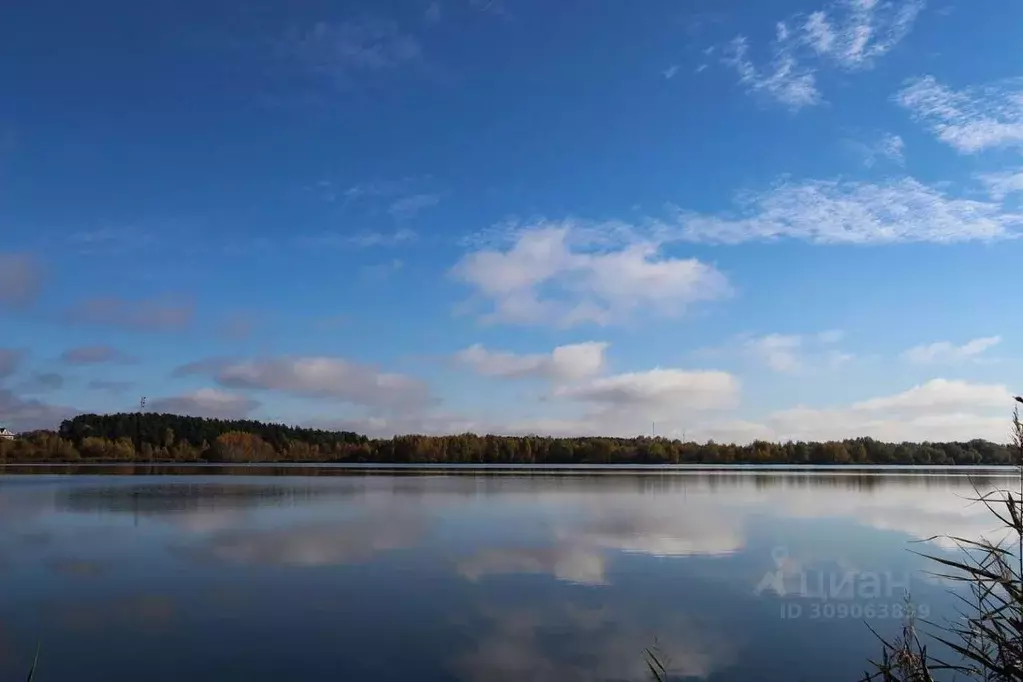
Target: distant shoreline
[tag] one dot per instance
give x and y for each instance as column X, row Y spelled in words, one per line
column 377, row 467
column 151, row 438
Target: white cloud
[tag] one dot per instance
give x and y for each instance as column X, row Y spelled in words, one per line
column 363, row 240
column 887, row 146
column 845, row 212
column 674, row 388
column 893, row 148
column 625, row 406
column 838, row 358
column 111, row 240
column 779, row 351
column 381, row 271
column 670, row 72
column 831, row 336
column 432, row 15
column 432, row 423
column 335, row 50
column 620, row 404
column 947, row 352
column 316, row 377
column 868, row 30
column 382, row 239
column 1001, row 185
column 569, row 273
column 970, row 120
column 938, row 410
column 206, row 402
column 937, row 396
column 797, row 352
column 565, row 363
column 409, row 207
column 489, row 6
column 852, row 35
column 784, row 80
column 819, row 33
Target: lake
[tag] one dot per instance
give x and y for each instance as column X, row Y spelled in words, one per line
column 327, row 573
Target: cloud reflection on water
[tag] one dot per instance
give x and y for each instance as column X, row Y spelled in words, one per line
column 566, row 642
column 710, row 515
column 570, row 564
column 319, row 543
column 581, row 595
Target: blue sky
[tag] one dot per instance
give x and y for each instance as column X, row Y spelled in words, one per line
column 731, row 219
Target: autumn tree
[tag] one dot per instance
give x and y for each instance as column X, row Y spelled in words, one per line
column 239, row 446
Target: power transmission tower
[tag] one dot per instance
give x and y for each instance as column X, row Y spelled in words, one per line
column 138, row 426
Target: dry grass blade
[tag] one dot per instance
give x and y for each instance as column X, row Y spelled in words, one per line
column 902, row 660
column 656, row 664
column 35, row 664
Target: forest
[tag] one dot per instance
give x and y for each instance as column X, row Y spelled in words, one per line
column 151, row 437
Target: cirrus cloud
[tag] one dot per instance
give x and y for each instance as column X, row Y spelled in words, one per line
column 849, row 212
column 1002, row 184
column 948, row 352
column 851, row 35
column 970, row 120
column 338, row 51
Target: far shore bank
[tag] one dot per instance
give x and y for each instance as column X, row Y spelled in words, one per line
column 487, row 467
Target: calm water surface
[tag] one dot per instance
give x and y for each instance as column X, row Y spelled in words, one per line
column 462, row 576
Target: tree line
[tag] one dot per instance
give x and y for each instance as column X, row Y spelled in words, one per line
column 151, row 437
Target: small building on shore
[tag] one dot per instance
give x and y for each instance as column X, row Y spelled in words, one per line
column 6, row 434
